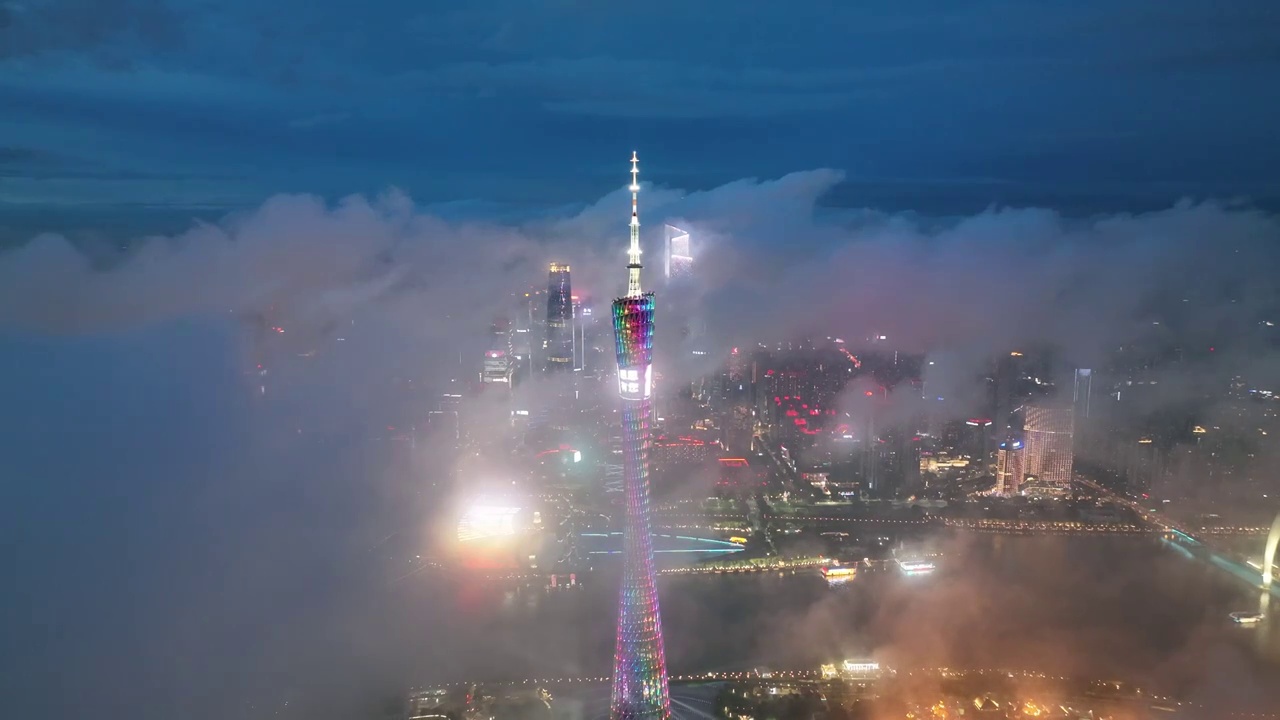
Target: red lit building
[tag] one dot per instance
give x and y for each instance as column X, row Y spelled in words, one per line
column 739, row 477
column 673, row 453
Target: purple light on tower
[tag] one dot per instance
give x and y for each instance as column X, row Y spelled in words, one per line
column 639, row 662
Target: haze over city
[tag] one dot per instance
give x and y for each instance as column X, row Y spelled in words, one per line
column 398, row 362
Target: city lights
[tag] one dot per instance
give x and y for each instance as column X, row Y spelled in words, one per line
column 482, row 451
column 916, row 567
column 791, row 460
column 487, row 521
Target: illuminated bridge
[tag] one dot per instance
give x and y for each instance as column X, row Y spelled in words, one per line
column 724, row 676
column 1048, row 527
column 990, row 525
column 743, row 517
column 664, row 543
column 826, row 675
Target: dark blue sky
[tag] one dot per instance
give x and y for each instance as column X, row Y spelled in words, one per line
column 934, row 106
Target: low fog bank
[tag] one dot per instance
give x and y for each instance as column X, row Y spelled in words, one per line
column 181, row 548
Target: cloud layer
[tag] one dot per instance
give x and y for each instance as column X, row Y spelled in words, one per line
column 771, row 265
column 235, row 552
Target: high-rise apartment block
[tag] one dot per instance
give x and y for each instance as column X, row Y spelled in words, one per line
column 1047, row 436
column 1009, row 460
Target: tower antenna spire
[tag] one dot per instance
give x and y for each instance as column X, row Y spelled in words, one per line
column 633, row 253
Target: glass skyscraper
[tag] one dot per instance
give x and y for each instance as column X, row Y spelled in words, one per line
column 559, row 319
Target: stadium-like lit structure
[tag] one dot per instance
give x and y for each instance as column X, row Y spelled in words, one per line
column 482, row 522
column 640, row 688
column 501, row 534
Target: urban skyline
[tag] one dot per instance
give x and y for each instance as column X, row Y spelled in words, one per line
column 943, row 381
column 837, row 430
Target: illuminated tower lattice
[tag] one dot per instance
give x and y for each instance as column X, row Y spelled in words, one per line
column 639, row 662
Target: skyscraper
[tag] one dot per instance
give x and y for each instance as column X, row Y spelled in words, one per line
column 1083, row 394
column 679, row 255
column 1082, row 399
column 1009, row 467
column 1047, row 435
column 639, row 663
column 497, row 366
column 579, row 346
column 559, row 319
column 1007, row 382
column 977, row 438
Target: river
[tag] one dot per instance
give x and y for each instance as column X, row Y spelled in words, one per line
column 1123, row 607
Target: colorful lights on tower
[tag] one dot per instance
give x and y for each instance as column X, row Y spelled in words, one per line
column 640, row 689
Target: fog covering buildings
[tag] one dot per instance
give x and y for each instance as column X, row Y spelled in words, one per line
column 1194, row 426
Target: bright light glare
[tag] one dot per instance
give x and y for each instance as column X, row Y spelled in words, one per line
column 485, row 521
column 916, row 567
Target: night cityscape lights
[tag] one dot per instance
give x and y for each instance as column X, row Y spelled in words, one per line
column 639, row 661
column 965, row 402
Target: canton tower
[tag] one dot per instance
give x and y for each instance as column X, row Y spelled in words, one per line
column 639, row 663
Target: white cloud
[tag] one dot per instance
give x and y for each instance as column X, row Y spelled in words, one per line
column 768, row 266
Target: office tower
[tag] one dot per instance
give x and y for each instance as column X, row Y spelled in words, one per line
column 639, row 663
column 890, row 458
column 497, row 368
column 977, row 439
column 579, row 345
column 1047, row 440
column 1083, row 393
column 1009, row 467
column 679, row 255
column 873, row 459
column 1082, row 398
column 913, row 446
column 559, row 319
column 1008, row 395
column 737, row 366
column 521, row 354
column 522, row 339
column 498, row 364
